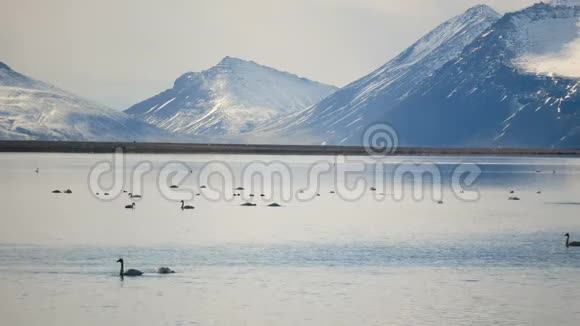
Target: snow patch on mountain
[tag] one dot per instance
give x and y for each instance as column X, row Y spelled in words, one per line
column 548, row 45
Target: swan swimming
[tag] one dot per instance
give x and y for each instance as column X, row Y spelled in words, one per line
column 132, row 206
column 571, row 244
column 183, row 206
column 130, row 272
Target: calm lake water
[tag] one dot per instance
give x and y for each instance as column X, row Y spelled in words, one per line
column 376, row 260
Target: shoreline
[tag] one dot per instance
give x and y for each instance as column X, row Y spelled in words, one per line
column 30, row 146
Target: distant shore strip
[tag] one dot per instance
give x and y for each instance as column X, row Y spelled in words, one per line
column 28, row 146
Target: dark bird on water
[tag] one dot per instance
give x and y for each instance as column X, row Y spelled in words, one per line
column 274, row 205
column 68, row 191
column 165, row 270
column 571, row 244
column 132, row 206
column 134, row 196
column 56, row 191
column 174, row 187
column 248, row 205
column 183, row 206
column 130, row 272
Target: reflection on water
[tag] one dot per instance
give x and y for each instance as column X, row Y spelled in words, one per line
column 322, row 262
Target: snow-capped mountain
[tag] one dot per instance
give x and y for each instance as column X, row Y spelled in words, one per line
column 33, row 110
column 229, row 99
column 516, row 85
column 342, row 117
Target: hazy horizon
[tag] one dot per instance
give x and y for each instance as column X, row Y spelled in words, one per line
column 121, row 53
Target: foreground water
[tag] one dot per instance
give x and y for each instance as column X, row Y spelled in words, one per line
column 328, row 261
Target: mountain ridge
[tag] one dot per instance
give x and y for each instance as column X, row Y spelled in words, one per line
column 351, row 109
column 484, row 99
column 34, row 110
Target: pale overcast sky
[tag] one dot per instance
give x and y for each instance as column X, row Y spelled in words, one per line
column 119, row 52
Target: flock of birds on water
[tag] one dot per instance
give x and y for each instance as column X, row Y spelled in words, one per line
column 183, row 205
column 167, row 270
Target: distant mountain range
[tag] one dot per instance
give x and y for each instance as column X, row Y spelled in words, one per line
column 33, row 110
column 477, row 80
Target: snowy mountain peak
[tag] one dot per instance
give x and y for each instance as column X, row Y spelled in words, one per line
column 11, row 78
column 483, row 10
column 4, row 66
column 340, row 118
column 33, row 110
column 233, row 97
column 456, row 32
column 231, row 61
column 516, row 85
